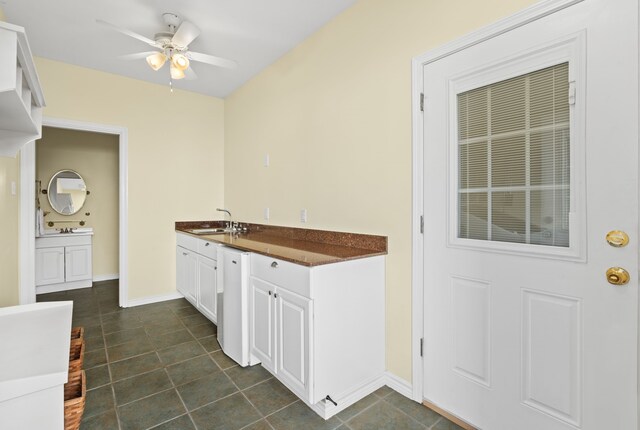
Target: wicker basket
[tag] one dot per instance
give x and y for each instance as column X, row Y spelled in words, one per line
column 75, row 395
column 77, row 333
column 76, row 355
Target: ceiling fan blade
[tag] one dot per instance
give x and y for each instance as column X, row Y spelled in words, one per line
column 210, row 59
column 190, row 74
column 137, row 55
column 128, row 32
column 185, row 34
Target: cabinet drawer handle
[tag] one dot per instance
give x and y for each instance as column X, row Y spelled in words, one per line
column 274, row 264
column 184, row 253
column 275, row 295
column 207, row 244
column 269, row 292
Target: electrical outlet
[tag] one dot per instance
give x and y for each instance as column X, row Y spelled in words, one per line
column 266, row 160
column 303, row 215
column 266, row 214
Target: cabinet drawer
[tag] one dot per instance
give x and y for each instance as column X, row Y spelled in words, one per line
column 293, row 277
column 186, row 241
column 208, row 249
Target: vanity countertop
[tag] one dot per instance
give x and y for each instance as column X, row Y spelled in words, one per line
column 301, row 246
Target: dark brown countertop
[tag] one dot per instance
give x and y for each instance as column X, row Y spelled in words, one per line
column 301, row 246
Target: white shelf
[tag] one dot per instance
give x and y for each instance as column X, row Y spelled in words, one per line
column 21, row 98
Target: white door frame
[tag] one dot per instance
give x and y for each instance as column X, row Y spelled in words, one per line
column 521, row 18
column 27, row 230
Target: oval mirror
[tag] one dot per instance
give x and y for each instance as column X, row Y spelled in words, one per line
column 67, row 192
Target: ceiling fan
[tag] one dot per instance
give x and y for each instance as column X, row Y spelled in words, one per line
column 173, row 47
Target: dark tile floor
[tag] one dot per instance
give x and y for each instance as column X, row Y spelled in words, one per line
column 160, row 366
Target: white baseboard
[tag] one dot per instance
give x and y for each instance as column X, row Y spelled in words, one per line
column 400, row 385
column 108, row 277
column 327, row 409
column 152, row 299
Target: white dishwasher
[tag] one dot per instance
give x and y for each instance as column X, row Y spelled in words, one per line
column 233, row 306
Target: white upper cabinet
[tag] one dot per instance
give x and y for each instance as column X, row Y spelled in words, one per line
column 21, row 99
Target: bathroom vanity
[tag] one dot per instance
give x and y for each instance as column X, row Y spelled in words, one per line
column 63, row 261
column 316, row 306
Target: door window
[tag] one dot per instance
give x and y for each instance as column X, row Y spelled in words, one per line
column 514, row 159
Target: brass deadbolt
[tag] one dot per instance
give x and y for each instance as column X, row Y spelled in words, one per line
column 617, row 238
column 617, row 276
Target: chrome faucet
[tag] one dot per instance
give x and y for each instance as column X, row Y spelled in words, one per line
column 230, row 225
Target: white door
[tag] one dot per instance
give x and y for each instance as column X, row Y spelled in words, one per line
column 262, row 321
column 78, row 263
column 207, row 287
column 292, row 326
column 530, row 159
column 49, row 265
column 186, row 266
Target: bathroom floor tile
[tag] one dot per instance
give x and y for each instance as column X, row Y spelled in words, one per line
column 141, row 386
column 97, row 377
column 150, row 411
column 98, row 401
column 194, row 368
column 223, row 360
column 298, row 416
column 270, row 396
column 129, row 349
column 206, row 390
column 181, row 352
column 233, row 412
column 210, row 343
column 384, row 417
column 245, row 377
column 170, row 339
column 181, row 423
column 135, row 366
column 203, row 330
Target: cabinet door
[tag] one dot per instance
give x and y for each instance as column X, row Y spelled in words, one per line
column 262, row 322
column 78, row 263
column 293, row 322
column 186, row 274
column 49, row 265
column 207, row 286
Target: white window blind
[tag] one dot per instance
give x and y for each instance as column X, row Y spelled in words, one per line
column 513, row 160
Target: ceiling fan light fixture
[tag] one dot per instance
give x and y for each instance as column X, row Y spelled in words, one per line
column 176, row 73
column 157, row 60
column 180, row 62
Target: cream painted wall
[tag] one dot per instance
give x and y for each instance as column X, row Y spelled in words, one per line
column 176, row 154
column 95, row 157
column 334, row 115
column 9, row 209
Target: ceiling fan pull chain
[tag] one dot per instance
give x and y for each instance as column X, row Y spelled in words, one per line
column 171, row 84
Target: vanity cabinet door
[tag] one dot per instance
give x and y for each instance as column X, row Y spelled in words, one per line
column 293, row 325
column 49, row 265
column 78, row 263
column 186, row 262
column 207, row 286
column 262, row 322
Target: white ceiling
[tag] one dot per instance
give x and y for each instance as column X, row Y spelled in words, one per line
column 254, row 33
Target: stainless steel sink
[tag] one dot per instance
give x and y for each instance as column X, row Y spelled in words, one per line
column 209, row 230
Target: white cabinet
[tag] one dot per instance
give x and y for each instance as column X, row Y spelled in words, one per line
column 207, row 274
column 196, row 273
column 186, row 261
column 63, row 262
column 320, row 330
column 21, row 99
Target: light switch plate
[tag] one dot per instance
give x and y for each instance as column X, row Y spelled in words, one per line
column 266, row 160
column 266, row 214
column 13, row 188
column 303, row 215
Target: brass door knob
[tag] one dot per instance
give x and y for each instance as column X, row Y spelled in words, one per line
column 617, row 238
column 617, row 276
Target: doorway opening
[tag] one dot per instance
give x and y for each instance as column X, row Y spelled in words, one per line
column 99, row 154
